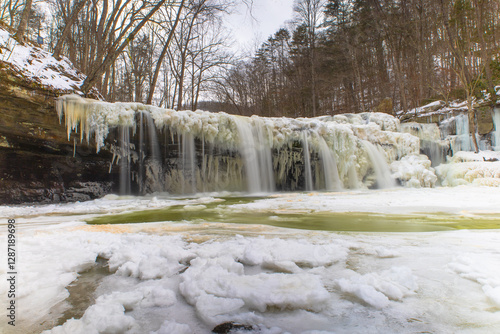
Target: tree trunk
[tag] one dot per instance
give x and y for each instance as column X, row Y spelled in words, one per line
column 313, row 81
column 472, row 122
column 162, row 55
column 98, row 71
column 485, row 56
column 473, row 129
column 23, row 24
column 67, row 29
column 181, row 83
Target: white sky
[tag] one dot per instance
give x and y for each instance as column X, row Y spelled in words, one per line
column 268, row 16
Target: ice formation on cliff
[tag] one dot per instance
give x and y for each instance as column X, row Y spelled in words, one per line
column 257, row 154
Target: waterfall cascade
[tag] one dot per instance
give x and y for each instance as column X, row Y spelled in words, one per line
column 463, row 140
column 496, row 123
column 194, row 151
column 430, row 140
column 383, row 175
column 330, row 171
column 256, row 153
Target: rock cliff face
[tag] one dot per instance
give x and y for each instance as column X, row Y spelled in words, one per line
column 37, row 162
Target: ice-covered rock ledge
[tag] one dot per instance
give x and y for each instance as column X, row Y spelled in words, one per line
column 37, row 163
column 481, row 168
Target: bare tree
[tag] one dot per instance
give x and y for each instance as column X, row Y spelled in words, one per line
column 10, row 9
column 166, row 45
column 460, row 44
column 309, row 11
column 207, row 58
column 23, row 23
column 77, row 7
column 120, row 43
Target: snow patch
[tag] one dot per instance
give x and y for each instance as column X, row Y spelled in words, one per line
column 482, row 270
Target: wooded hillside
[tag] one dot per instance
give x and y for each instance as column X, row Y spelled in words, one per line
column 336, row 56
column 376, row 55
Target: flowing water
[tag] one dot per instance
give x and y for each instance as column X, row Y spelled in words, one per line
column 379, row 164
column 496, row 122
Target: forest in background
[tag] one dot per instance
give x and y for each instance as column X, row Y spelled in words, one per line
column 336, row 56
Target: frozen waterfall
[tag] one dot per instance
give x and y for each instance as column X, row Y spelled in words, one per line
column 180, row 152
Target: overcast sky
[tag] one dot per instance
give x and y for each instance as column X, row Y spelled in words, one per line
column 268, row 17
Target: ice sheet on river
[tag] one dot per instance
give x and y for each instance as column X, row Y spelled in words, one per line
column 305, row 281
column 188, row 277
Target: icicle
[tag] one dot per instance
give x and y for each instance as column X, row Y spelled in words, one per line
column 189, row 162
column 463, row 139
column 307, row 162
column 125, row 173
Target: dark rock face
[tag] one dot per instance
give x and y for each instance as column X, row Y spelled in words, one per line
column 228, row 327
column 37, row 162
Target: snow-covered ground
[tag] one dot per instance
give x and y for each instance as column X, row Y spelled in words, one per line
column 38, row 65
column 189, row 276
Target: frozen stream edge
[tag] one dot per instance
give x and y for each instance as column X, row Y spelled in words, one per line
column 188, row 278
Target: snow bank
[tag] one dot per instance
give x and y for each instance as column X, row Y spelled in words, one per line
column 110, row 204
column 218, row 281
column 482, row 156
column 107, row 315
column 43, row 280
column 414, row 171
column 377, row 289
column 219, row 286
column 485, row 271
column 427, row 109
column 393, row 201
column 471, row 168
